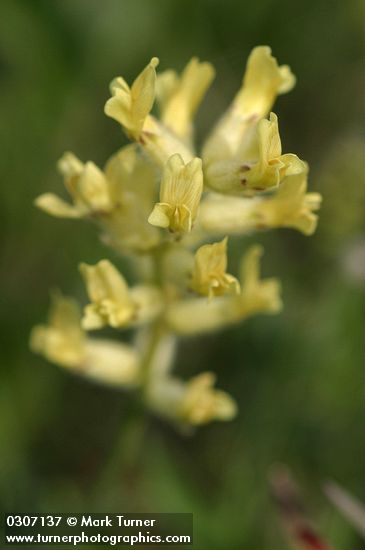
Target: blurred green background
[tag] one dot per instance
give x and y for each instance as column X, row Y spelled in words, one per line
column 299, row 377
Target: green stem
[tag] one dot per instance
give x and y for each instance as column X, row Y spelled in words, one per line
column 156, row 350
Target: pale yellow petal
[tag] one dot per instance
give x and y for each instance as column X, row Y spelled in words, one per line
column 92, row 189
column 131, row 173
column 191, row 403
column 160, row 143
column 131, row 106
column 69, row 165
column 233, row 215
column 209, row 275
column 92, row 319
column 132, row 179
column 160, row 215
column 50, row 203
column 87, row 186
column 119, row 106
column 288, row 80
column 264, row 79
column 104, row 281
column 257, row 295
column 198, row 315
column 166, row 84
column 180, row 192
column 62, row 340
column 260, row 168
column 202, row 403
column 236, row 145
column 127, row 229
column 180, row 97
column 149, row 303
column 291, row 206
column 109, row 294
column 71, row 168
column 143, row 92
column 112, row 363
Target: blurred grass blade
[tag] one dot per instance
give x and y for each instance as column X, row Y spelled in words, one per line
column 300, row 530
column 351, row 508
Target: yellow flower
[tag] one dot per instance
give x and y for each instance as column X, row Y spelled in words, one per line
column 197, row 315
column 263, row 81
column 252, row 186
column 111, row 303
column 179, row 97
column 237, row 143
column 257, row 295
column 271, row 166
column 87, row 186
column 129, row 172
column 130, row 106
column 209, row 275
column 119, row 199
column 181, row 189
column 63, row 342
column 260, row 168
column 132, row 179
column 191, row 403
column 201, row 403
column 290, row 206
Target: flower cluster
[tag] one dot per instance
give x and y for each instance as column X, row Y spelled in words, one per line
column 170, row 211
